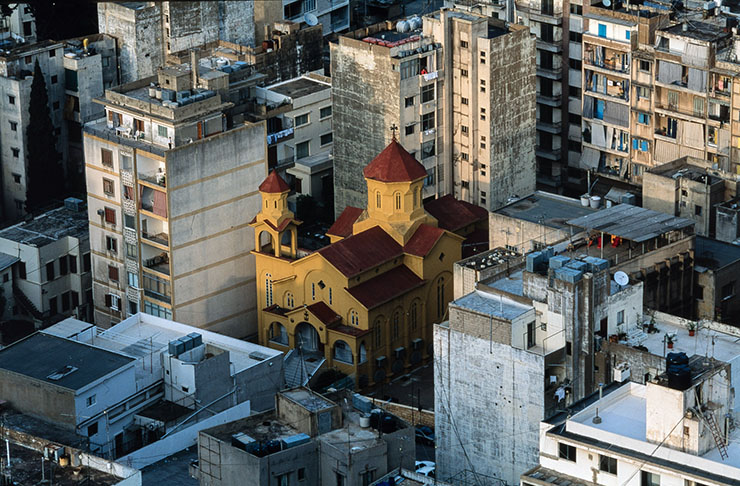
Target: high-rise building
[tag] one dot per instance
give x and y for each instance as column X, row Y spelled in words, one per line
column 169, row 182
column 460, row 89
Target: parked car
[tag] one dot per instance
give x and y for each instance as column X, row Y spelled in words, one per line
column 424, row 435
column 427, row 471
column 421, row 464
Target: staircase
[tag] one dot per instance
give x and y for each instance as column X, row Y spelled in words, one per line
column 299, row 368
column 26, row 303
column 721, row 446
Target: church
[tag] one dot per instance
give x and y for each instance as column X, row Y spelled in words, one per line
column 365, row 304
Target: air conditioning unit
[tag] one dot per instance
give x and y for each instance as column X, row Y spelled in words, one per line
column 417, row 344
column 380, row 362
column 400, row 352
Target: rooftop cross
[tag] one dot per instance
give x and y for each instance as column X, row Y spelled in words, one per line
column 393, row 131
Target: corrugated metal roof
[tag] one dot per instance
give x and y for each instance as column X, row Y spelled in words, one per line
column 631, row 222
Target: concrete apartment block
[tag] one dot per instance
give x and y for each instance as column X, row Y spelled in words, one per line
column 171, row 187
column 460, row 89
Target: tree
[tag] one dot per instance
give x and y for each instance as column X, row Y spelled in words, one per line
column 44, row 172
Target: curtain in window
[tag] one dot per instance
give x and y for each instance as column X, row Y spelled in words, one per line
column 697, row 79
column 617, row 114
column 159, row 206
column 693, row 135
column 669, row 72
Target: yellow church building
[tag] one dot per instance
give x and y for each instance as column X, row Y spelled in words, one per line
column 366, row 302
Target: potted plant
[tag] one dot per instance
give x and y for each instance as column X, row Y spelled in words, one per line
column 691, row 326
column 669, row 338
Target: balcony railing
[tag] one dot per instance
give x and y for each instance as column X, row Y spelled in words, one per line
column 159, row 178
column 609, row 65
column 159, row 263
column 161, row 238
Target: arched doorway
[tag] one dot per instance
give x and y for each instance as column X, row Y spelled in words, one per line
column 306, row 337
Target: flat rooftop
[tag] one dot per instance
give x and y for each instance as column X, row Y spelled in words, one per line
column 297, row 88
column 703, row 31
column 49, row 227
column 61, row 362
column 490, row 258
column 393, row 35
column 7, row 260
column 689, row 171
column 511, row 284
column 497, row 305
column 631, row 222
column 261, row 427
column 623, row 430
column 313, row 402
column 715, row 254
column 551, row 210
column 352, row 437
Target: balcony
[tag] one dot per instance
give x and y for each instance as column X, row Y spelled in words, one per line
column 550, row 45
column 550, row 72
column 158, row 177
column 550, row 126
column 155, row 259
column 157, row 288
column 101, row 129
column 608, row 65
column 551, row 99
column 550, row 153
column 154, row 230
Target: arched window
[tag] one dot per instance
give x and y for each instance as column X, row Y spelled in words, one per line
column 343, row 353
column 396, row 325
column 397, row 198
column 278, row 333
column 276, row 203
column 413, row 315
column 268, row 289
column 289, row 302
column 417, row 198
column 330, row 296
column 440, row 296
column 378, row 333
column 377, row 199
column 354, row 318
column 363, row 353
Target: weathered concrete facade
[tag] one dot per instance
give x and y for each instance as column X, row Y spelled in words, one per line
column 463, row 93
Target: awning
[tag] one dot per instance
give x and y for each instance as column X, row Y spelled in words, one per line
column 590, row 158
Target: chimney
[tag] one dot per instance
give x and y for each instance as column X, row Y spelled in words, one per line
column 194, row 68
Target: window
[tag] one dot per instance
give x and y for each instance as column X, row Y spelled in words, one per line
column 63, row 265
column 427, row 93
column 697, row 210
column 643, row 118
column 649, row 479
column 602, row 30
column 11, row 100
column 106, row 158
column 430, row 177
column 409, row 101
column 428, row 149
column 92, row 429
column 301, row 473
column 300, row 120
column 409, row 68
column 620, row 318
column 339, row 479
column 427, row 121
column 86, row 262
column 133, row 279
column 377, row 199
column 22, row 270
column 698, row 106
column 627, row 34
column 608, row 464
column 111, row 244
column 301, row 150
column 397, row 199
column 108, row 187
column 464, row 156
column 327, row 138
column 673, row 99
column 55, row 105
column 17, row 178
column 574, row 92
column 268, row 289
column 325, row 112
column 643, row 93
column 50, row 271
column 354, row 318
column 14, row 126
column 483, row 147
column 644, row 66
column 464, row 130
column 464, row 73
column 131, row 250
column 463, row 101
column 367, row 477
column 567, row 452
column 482, row 85
column 6, row 277
column 575, row 36
column 16, row 152
column 157, row 310
column 54, row 79
column 109, row 215
column 53, row 305
column 483, row 114
column 410, row 129
column 464, row 44
column 575, row 64
column 576, row 9
column 113, row 273
column 162, row 131
column 640, row 145
column 133, row 308
column 728, row 290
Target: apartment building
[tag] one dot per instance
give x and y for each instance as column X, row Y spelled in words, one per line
column 19, row 24
column 558, row 26
column 675, row 429
column 460, row 89
column 146, row 32
column 169, row 183
column 51, row 277
column 17, row 61
column 333, row 15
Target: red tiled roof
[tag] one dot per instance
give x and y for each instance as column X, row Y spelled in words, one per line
column 453, row 214
column 394, row 164
column 274, row 184
column 423, row 239
column 349, row 330
column 323, row 312
column 359, row 252
column 276, row 309
column 343, row 225
column 386, row 286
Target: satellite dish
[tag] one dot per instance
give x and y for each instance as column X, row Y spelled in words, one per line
column 607, row 3
column 310, row 19
column 621, row 278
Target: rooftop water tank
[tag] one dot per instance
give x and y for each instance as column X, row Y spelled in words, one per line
column 402, row 26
